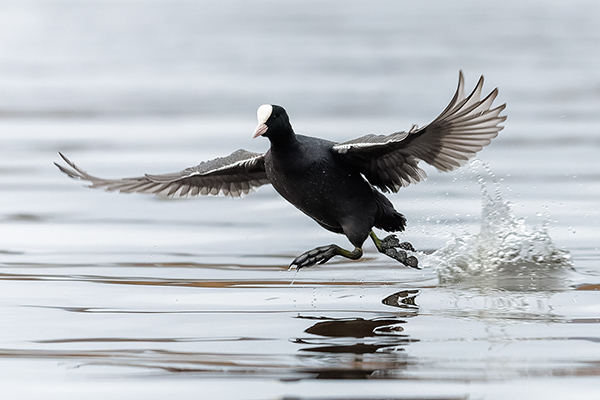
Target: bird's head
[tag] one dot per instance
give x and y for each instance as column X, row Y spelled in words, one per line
column 273, row 122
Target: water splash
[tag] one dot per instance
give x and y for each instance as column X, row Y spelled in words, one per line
column 505, row 245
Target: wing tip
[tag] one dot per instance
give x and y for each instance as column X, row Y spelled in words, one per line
column 74, row 172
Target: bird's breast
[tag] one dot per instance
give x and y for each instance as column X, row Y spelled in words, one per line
column 315, row 184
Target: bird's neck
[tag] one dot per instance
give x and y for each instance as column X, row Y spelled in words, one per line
column 284, row 140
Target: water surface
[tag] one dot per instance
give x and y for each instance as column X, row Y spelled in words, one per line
column 132, row 296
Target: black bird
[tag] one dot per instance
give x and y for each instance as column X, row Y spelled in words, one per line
column 336, row 184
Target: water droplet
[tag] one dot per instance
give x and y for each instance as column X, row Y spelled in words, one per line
column 504, row 242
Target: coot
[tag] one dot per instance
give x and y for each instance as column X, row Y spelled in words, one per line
column 339, row 185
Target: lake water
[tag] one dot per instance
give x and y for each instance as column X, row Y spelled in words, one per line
column 130, row 296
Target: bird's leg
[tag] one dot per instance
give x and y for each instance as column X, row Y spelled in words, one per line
column 323, row 254
column 391, row 247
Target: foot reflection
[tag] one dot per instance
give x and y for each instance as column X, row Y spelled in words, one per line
column 402, row 299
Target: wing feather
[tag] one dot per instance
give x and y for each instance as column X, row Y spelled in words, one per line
column 234, row 175
column 465, row 126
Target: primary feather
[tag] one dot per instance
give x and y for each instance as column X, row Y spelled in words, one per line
column 234, row 175
column 391, row 161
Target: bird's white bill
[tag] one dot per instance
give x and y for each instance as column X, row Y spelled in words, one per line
column 260, row 130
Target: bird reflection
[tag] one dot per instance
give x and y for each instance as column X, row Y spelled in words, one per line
column 361, row 348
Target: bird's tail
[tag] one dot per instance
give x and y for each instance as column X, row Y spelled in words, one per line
column 388, row 218
column 393, row 222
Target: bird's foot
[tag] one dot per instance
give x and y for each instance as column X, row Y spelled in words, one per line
column 391, row 247
column 393, row 241
column 400, row 255
column 321, row 255
column 390, row 241
column 318, row 255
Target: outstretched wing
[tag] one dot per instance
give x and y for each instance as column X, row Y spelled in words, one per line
column 234, row 175
column 391, row 161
